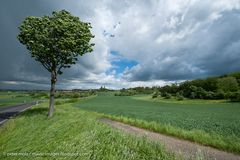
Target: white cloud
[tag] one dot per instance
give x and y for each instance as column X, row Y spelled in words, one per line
column 171, row 40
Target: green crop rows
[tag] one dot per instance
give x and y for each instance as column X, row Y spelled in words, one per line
column 218, row 118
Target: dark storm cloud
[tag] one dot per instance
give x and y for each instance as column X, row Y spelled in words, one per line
column 224, row 36
column 212, row 49
column 15, row 62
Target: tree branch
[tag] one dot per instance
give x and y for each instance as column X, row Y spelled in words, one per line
column 46, row 66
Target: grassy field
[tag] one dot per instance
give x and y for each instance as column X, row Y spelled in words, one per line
column 213, row 123
column 76, row 133
column 8, row 98
column 71, row 134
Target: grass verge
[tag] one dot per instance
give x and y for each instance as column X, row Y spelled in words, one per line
column 71, row 134
column 209, row 139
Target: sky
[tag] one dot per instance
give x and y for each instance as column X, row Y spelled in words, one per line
column 137, row 42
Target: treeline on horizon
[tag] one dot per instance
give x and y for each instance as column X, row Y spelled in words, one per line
column 221, row 87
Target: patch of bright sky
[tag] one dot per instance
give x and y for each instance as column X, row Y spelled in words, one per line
column 119, row 63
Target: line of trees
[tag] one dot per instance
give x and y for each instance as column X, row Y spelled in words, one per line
column 222, row 87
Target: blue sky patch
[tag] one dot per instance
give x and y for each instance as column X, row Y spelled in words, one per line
column 120, row 63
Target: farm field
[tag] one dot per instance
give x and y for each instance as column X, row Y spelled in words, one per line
column 214, row 123
column 8, row 98
column 71, row 134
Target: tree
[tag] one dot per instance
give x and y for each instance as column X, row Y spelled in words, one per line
column 227, row 84
column 56, row 42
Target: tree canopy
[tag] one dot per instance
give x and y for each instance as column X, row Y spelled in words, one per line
column 56, row 41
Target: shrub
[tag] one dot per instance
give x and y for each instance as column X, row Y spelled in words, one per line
column 163, row 94
column 38, row 94
column 209, row 95
column 125, row 92
column 234, row 96
column 197, row 92
column 155, row 94
column 166, row 95
column 179, row 97
column 219, row 94
column 192, row 95
column 228, row 84
column 74, row 94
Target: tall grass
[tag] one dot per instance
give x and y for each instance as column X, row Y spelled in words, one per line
column 210, row 139
column 210, row 123
column 71, row 134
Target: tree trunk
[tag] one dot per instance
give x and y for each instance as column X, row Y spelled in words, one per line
column 52, row 92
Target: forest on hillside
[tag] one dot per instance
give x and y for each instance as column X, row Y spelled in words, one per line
column 221, row 87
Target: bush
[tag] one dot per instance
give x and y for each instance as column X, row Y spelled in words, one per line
column 219, row 94
column 209, row 95
column 155, row 95
column 144, row 90
column 166, row 95
column 192, row 95
column 163, row 94
column 227, row 84
column 38, row 94
column 234, row 96
column 197, row 92
column 179, row 97
column 125, row 92
column 74, row 94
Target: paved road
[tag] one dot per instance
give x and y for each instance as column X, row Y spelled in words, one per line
column 10, row 111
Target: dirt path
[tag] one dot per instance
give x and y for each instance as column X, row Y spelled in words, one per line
column 186, row 148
